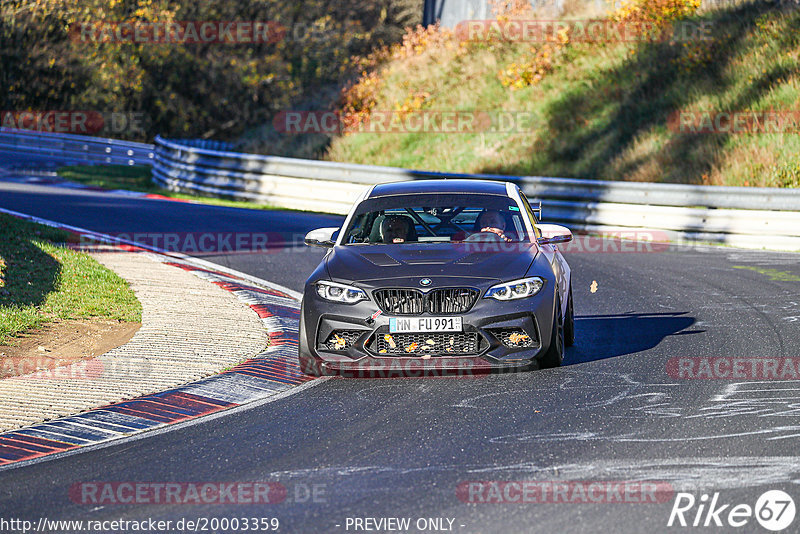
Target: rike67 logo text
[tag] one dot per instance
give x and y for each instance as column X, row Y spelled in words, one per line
column 774, row 510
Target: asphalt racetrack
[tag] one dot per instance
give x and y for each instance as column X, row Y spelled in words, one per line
column 372, row 449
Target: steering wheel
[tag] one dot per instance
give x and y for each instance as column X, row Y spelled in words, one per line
column 484, row 237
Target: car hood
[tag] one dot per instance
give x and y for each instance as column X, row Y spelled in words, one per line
column 488, row 261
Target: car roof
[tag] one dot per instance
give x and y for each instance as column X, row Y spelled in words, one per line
column 411, row 187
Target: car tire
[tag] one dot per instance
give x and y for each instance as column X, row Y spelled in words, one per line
column 569, row 321
column 555, row 353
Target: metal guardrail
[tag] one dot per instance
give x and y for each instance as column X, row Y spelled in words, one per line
column 210, row 144
column 68, row 149
column 738, row 216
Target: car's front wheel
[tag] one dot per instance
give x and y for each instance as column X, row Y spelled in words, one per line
column 569, row 321
column 555, row 353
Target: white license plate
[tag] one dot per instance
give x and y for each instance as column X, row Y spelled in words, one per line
column 424, row 324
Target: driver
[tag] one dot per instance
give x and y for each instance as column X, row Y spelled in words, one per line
column 395, row 229
column 493, row 221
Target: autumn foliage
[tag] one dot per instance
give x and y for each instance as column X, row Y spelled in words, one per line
column 190, row 89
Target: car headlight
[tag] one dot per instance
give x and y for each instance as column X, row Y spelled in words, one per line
column 516, row 289
column 340, row 292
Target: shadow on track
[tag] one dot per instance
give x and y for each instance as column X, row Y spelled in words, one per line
column 605, row 336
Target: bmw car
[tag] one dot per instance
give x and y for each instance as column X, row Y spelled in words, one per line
column 446, row 274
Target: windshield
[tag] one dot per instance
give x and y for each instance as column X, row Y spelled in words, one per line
column 418, row 219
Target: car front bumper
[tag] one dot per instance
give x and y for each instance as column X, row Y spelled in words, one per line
column 489, row 321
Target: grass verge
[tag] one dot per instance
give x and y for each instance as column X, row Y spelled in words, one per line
column 42, row 280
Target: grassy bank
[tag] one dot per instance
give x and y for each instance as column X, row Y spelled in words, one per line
column 596, row 110
column 41, row 280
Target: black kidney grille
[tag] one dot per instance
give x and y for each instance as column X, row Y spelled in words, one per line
column 405, row 301
column 400, row 301
column 450, row 300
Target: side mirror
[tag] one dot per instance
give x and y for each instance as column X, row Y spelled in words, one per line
column 321, row 237
column 553, row 234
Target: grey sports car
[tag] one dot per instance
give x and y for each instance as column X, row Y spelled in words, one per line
column 437, row 276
